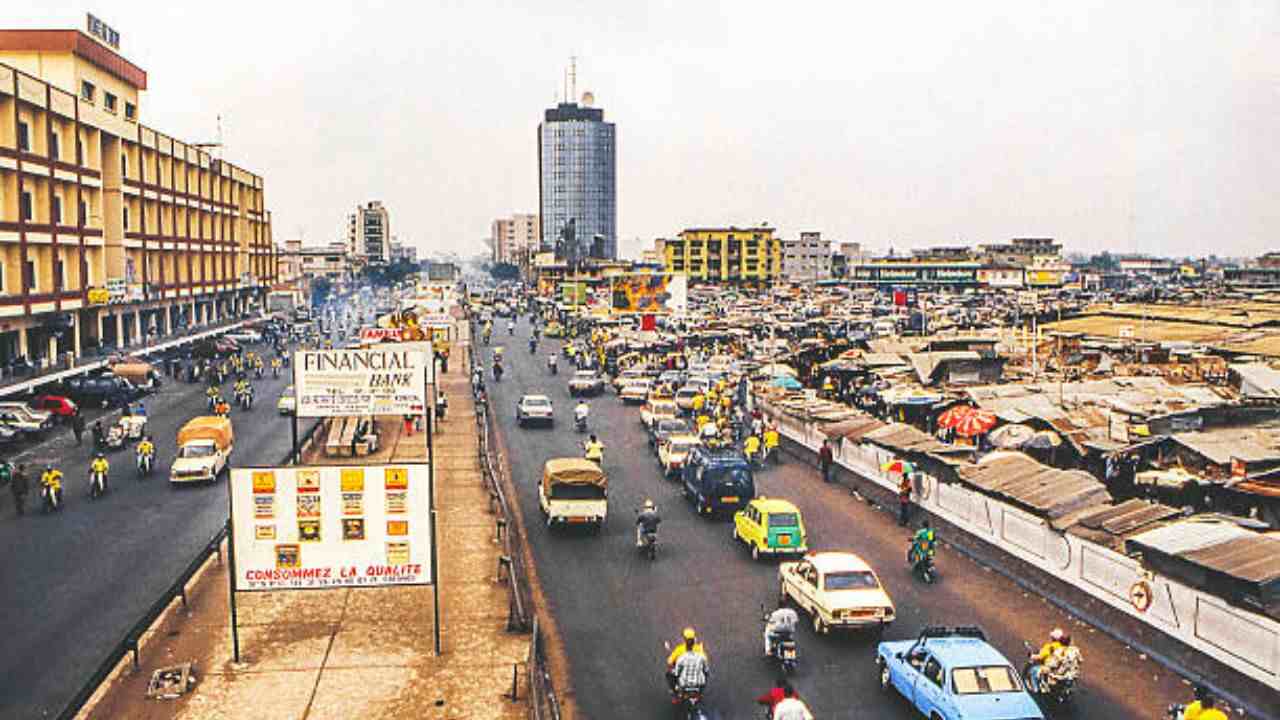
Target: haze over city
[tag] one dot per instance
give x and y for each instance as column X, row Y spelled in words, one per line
column 1145, row 127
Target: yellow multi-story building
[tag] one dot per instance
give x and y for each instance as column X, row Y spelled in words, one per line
column 110, row 230
column 751, row 255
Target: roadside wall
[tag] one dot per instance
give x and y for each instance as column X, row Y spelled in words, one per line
column 1246, row 642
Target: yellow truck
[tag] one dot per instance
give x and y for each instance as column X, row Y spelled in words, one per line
column 204, row 450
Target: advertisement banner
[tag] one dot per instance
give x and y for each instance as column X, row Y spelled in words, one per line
column 649, row 294
column 302, row 528
column 573, row 293
column 388, row 379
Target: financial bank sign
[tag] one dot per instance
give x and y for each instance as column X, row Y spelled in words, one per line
column 102, row 31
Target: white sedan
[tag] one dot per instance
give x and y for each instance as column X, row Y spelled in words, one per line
column 534, row 408
column 837, row 589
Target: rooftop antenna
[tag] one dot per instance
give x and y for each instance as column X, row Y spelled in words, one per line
column 573, row 77
column 217, row 144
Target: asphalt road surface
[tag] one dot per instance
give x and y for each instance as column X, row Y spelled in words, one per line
column 73, row 583
column 616, row 609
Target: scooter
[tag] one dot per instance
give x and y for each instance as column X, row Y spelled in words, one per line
column 97, row 484
column 551, row 364
column 1058, row 691
column 687, row 699
column 647, row 542
column 246, row 400
column 145, row 462
column 275, row 371
column 784, row 650
column 580, row 423
column 50, row 498
column 497, row 373
column 921, row 563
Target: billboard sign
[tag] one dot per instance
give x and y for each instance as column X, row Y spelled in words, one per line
column 303, row 528
column 387, row 379
column 649, row 294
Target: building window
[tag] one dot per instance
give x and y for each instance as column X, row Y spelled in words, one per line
column 87, row 90
column 26, row 203
column 130, row 111
column 84, row 213
column 55, row 147
column 57, row 210
column 125, row 215
column 30, row 275
column 59, row 275
column 124, row 165
column 109, row 102
column 2, row 291
column 24, row 137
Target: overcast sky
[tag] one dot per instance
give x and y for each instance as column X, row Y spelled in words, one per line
column 1129, row 126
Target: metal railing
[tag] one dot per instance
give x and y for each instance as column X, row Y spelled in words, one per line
column 133, row 637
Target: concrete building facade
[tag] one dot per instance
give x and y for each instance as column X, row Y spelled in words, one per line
column 111, row 231
column 577, row 184
column 369, row 234
column 730, row 255
column 807, row 259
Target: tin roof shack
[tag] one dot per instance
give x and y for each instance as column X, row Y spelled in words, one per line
column 1111, row 525
column 957, row 367
column 1056, row 495
column 1219, row 557
column 1255, row 380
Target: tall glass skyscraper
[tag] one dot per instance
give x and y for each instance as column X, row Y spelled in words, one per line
column 577, row 181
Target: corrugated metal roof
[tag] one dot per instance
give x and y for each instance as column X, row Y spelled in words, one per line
column 1255, row 558
column 1189, row 535
column 897, row 436
column 1046, row 490
column 1258, row 379
column 1250, row 444
column 853, row 428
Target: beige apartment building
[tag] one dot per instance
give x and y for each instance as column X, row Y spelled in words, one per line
column 110, row 230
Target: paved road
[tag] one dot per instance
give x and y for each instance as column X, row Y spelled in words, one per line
column 616, row 610
column 73, row 583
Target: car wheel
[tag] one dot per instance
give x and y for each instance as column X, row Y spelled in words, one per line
column 885, row 681
column 755, row 552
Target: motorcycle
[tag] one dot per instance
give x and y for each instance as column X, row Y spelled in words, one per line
column 246, row 400
column 687, row 699
column 258, row 372
column 497, row 373
column 275, row 371
column 784, row 650
column 648, row 542
column 921, row 563
column 485, row 337
column 97, row 484
column 533, row 346
column 1056, row 690
column 145, row 463
column 580, row 423
column 551, row 364
column 50, row 498
column 212, row 401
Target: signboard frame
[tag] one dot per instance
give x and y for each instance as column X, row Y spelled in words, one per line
column 329, row 383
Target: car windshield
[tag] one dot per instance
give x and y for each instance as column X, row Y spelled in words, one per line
column 584, row 376
column 984, row 679
column 783, row 520
column 536, row 402
column 195, row 451
column 680, row 448
column 671, row 426
column 850, row 580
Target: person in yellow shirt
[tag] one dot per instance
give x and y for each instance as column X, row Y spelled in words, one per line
column 1046, row 651
column 698, row 401
column 1205, row 707
column 771, row 443
column 750, row 447
column 689, row 643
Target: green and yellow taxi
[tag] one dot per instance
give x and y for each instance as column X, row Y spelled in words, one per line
column 770, row 526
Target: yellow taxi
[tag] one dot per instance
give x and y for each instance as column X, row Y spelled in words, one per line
column 553, row 330
column 770, row 526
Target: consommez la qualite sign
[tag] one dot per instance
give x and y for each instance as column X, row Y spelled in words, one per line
column 301, row 528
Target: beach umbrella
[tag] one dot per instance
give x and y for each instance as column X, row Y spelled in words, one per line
column 1008, row 437
column 976, row 422
column 953, row 415
column 898, row 466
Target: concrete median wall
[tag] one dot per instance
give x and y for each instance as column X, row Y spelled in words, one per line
column 1246, row 642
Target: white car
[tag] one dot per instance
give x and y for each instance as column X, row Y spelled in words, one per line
column 288, row 402
column 837, row 589
column 635, row 391
column 245, row 336
column 673, row 453
column 655, row 410
column 534, row 408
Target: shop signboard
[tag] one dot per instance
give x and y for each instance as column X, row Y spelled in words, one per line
column 302, row 528
column 99, row 296
column 117, row 290
column 386, row 379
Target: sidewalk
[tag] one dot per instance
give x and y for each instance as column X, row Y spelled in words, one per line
column 349, row 653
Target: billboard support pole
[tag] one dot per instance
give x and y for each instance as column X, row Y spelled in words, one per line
column 231, row 572
column 293, row 454
column 429, row 409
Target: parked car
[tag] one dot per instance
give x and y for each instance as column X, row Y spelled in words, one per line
column 770, row 526
column 288, row 402
column 100, row 390
column 23, row 423
column 586, row 382
column 954, row 674
column 534, row 408
column 8, row 434
column 39, row 417
column 838, row 590
column 673, row 453
column 635, row 391
column 58, row 406
column 718, row 480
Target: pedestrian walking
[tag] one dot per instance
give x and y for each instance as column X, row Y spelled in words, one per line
column 825, row 459
column 904, row 500
column 77, row 425
column 20, row 485
column 408, row 424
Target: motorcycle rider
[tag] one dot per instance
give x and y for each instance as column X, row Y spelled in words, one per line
column 533, row 345
column 100, row 466
column 99, row 434
column 647, row 522
column 780, row 624
column 1041, row 659
column 594, row 451
column 51, row 482
column 689, row 646
column 551, row 363
column 1064, row 665
column 750, row 447
column 1205, row 707
column 511, row 327
column 276, row 363
column 791, row 707
column 145, row 449
column 580, row 412
column 19, row 486
column 922, row 545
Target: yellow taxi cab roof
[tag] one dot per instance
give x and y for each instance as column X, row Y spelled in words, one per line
column 773, row 505
column 684, row 437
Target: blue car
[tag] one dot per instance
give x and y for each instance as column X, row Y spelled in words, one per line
column 955, row 674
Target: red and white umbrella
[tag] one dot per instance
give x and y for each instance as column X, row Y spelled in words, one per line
column 976, row 422
column 952, row 416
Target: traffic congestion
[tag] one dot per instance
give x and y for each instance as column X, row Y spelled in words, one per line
column 834, row 591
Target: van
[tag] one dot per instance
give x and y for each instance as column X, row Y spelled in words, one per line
column 718, row 480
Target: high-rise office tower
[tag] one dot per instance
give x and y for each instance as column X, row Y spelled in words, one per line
column 577, row 181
